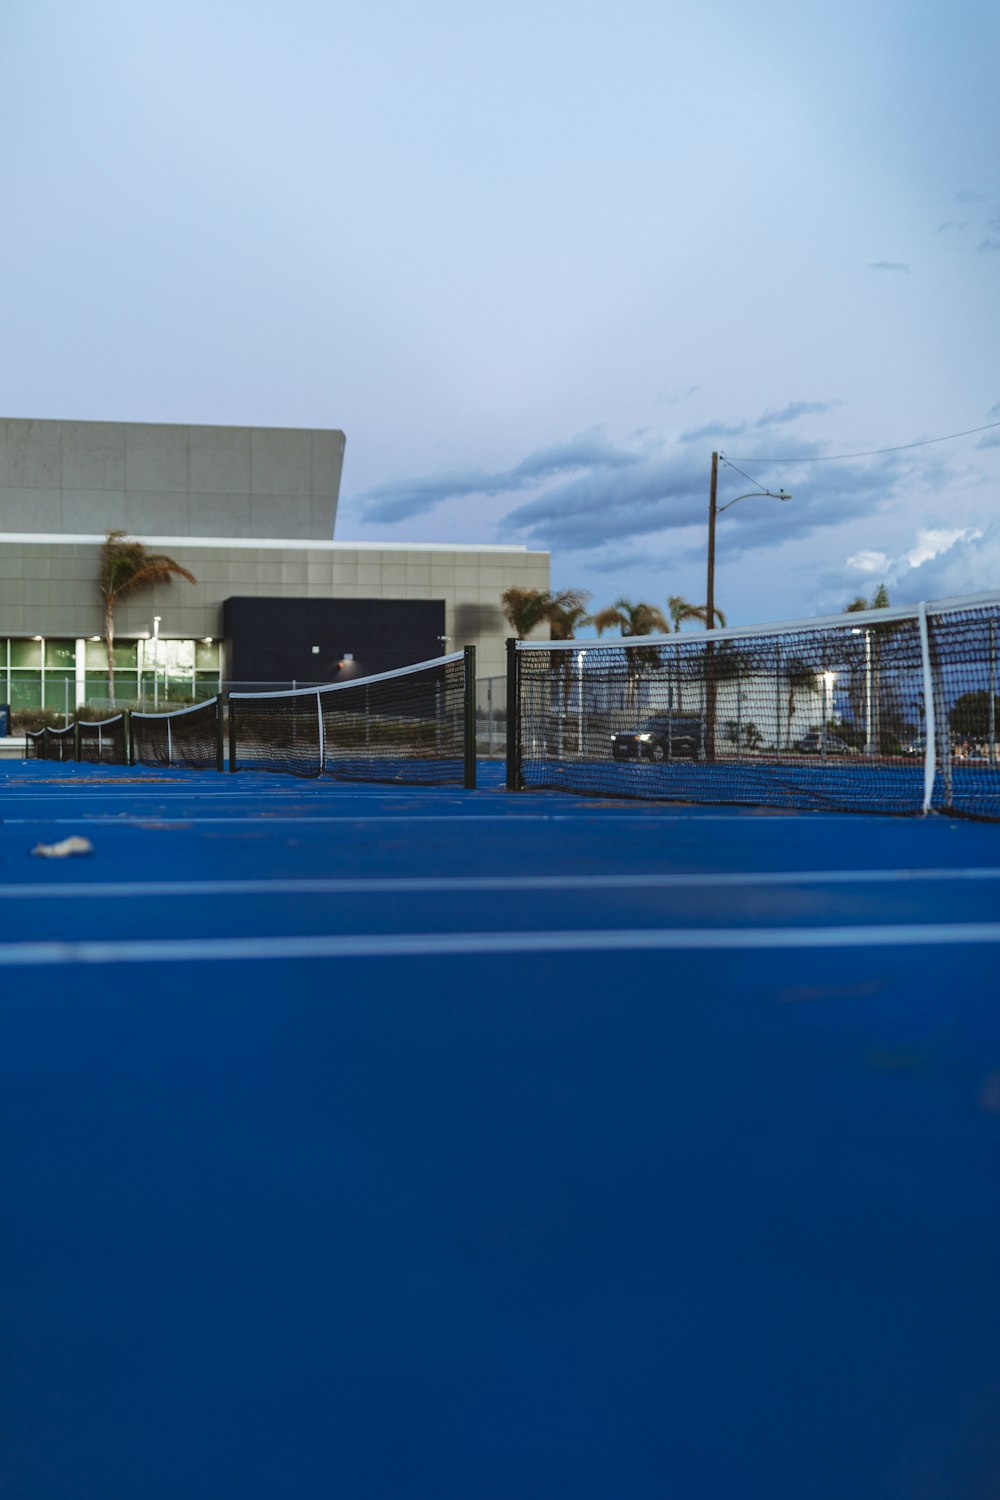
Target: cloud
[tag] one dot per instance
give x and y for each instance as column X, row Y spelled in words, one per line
column 589, row 451
column 988, row 245
column 775, row 417
column 398, row 500
column 994, row 410
column 889, row 265
column 952, row 224
column 970, row 195
column 932, row 546
column 672, row 398
column 617, row 559
column 992, row 441
column 661, row 492
column 713, row 432
column 793, row 411
column 665, row 495
column 969, row 564
column 870, row 562
column 589, row 493
column 935, row 542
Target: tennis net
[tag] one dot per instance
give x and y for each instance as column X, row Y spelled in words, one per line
column 888, row 710
column 415, row 724
column 50, row 743
column 101, row 741
column 190, row 737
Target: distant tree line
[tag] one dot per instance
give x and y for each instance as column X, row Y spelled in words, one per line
column 565, row 612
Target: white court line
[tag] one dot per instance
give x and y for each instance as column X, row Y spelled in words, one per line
column 439, row 944
column 158, row 816
column 456, row 884
column 290, row 790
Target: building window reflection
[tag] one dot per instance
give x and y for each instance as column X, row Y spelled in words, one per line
column 63, row 674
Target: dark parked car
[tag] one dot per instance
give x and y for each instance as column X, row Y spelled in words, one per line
column 816, row 743
column 661, row 738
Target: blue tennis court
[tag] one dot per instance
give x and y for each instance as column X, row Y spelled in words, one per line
column 379, row 1141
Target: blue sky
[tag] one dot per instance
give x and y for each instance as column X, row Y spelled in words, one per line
column 538, row 261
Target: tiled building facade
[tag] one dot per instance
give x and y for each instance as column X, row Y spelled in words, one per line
column 249, row 511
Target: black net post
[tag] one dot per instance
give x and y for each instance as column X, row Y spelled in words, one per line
column 232, row 736
column 938, row 698
column 470, row 717
column 127, row 737
column 992, row 701
column 711, row 701
column 45, row 743
column 76, row 739
column 513, row 719
column 220, row 724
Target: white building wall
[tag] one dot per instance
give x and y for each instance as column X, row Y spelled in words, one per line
column 138, row 477
column 48, row 585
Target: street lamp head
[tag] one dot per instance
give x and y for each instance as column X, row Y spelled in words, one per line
column 750, row 495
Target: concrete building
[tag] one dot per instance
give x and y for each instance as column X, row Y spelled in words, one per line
column 249, row 511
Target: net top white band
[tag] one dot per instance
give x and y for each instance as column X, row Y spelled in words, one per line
column 175, row 713
column 356, row 682
column 858, row 620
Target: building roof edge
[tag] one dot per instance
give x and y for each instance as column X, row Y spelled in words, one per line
column 308, row 544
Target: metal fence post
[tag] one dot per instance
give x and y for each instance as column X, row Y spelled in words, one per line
column 513, row 719
column 469, row 725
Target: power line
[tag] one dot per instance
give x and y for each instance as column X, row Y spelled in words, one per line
column 829, row 458
column 730, row 465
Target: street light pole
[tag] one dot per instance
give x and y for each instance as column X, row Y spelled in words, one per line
column 714, row 510
column 710, row 588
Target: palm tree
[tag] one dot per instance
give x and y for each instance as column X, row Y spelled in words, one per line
column 681, row 610
column 125, row 566
column 878, row 600
column 865, row 673
column 567, row 612
column 801, row 677
column 634, row 619
column 525, row 609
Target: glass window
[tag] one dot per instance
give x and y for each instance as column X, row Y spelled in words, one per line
column 96, row 687
column 60, row 654
column 60, row 691
column 206, row 656
column 126, row 654
column 170, row 656
column 177, row 687
column 25, row 690
column 26, row 654
column 25, row 674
